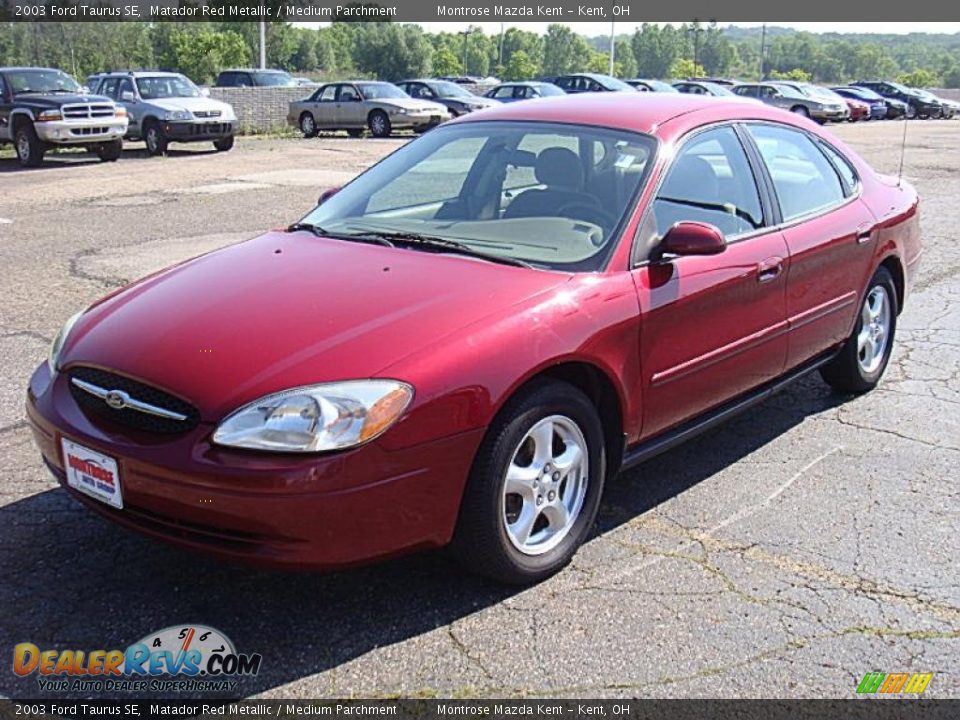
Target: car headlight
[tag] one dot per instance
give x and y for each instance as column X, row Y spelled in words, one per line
column 49, row 116
column 331, row 416
column 53, row 356
column 177, row 115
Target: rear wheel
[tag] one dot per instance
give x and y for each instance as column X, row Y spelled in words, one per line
column 864, row 356
column 155, row 139
column 535, row 486
column 223, row 144
column 379, row 124
column 30, row 149
column 110, row 151
column 308, row 125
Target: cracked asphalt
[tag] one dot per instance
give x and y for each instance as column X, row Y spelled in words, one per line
column 785, row 554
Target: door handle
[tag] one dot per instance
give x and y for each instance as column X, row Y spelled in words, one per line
column 769, row 270
column 864, row 234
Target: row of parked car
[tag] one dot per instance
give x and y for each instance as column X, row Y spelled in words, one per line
column 419, row 104
column 44, row 108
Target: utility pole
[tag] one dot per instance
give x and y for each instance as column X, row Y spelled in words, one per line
column 500, row 62
column 263, row 45
column 763, row 49
column 613, row 48
column 466, row 34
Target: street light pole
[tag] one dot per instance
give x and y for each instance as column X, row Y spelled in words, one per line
column 763, row 49
column 613, row 48
column 263, row 45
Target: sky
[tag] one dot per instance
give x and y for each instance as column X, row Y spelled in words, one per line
column 597, row 28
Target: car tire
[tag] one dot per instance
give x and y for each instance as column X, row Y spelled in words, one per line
column 800, row 110
column 110, row 151
column 29, row 148
column 379, row 124
column 155, row 139
column 555, row 509
column 355, row 132
column 223, row 144
column 863, row 358
column 308, row 125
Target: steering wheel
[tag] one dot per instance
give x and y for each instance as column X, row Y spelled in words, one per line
column 588, row 213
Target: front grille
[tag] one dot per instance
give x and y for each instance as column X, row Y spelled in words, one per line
column 89, row 131
column 86, row 112
column 129, row 417
column 207, row 113
column 209, row 129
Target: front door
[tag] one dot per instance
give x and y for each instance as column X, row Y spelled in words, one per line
column 350, row 108
column 713, row 327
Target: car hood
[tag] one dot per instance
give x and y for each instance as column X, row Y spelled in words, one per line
column 286, row 310
column 472, row 100
column 55, row 100
column 411, row 104
column 191, row 104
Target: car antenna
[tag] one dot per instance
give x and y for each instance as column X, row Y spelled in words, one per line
column 903, row 151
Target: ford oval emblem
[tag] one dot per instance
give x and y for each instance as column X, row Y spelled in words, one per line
column 117, row 399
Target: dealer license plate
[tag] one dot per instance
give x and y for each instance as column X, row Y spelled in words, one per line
column 92, row 473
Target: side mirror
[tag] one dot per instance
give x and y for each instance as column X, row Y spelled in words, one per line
column 692, row 238
column 127, row 96
column 205, row 92
column 327, row 194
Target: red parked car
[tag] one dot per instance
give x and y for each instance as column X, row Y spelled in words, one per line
column 464, row 342
column 858, row 110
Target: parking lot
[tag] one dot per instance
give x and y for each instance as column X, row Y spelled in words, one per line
column 786, row 554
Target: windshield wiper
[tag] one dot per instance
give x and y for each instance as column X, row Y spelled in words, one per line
column 320, row 232
column 431, row 241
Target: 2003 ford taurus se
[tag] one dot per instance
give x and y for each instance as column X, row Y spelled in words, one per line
column 459, row 346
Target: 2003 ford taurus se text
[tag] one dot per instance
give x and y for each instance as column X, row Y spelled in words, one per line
column 459, row 346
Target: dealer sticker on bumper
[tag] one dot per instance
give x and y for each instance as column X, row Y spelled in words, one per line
column 92, row 473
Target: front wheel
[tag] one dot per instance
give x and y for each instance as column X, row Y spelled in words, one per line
column 800, row 110
column 110, row 151
column 863, row 358
column 155, row 139
column 30, row 149
column 223, row 144
column 535, row 486
column 308, row 125
column 379, row 124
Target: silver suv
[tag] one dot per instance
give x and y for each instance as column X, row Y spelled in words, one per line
column 167, row 107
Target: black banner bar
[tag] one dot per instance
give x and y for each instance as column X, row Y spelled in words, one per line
column 529, row 709
column 511, row 11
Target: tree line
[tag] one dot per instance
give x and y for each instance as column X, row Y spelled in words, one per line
column 391, row 51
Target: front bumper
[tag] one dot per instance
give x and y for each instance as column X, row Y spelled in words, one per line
column 419, row 120
column 316, row 512
column 198, row 130
column 830, row 115
column 81, row 132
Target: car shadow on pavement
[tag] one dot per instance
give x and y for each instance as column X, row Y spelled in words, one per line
column 73, row 580
column 136, row 151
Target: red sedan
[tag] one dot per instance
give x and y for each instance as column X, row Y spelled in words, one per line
column 858, row 110
column 463, row 343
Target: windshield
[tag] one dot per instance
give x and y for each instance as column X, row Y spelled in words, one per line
column 790, row 91
column 865, row 93
column 41, row 81
column 824, row 93
column 717, row 89
column 611, row 83
column 380, row 91
column 449, row 89
column 275, row 79
column 553, row 195
column 548, row 89
column 166, row 86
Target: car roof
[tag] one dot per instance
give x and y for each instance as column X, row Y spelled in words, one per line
column 29, row 67
column 139, row 73
column 254, row 70
column 644, row 112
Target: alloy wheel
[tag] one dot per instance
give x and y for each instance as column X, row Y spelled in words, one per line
column 874, row 329
column 23, row 146
column 545, row 485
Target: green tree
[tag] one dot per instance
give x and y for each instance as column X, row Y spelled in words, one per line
column 626, row 64
column 796, row 75
column 563, row 50
column 392, row 51
column 201, row 55
column 919, row 78
column 519, row 67
column 684, row 68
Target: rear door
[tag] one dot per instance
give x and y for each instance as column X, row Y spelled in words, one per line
column 829, row 233
column 6, row 106
column 324, row 107
column 713, row 327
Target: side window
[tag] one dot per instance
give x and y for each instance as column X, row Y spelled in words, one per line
column 328, row 94
column 348, row 93
column 843, row 166
column 243, row 80
column 710, row 181
column 109, row 88
column 524, row 92
column 3, row 88
column 804, row 179
column 505, row 91
column 126, row 85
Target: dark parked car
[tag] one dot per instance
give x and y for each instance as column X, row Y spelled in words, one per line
column 590, row 82
column 917, row 106
column 457, row 99
column 644, row 85
column 464, row 343
column 702, row 87
column 726, row 82
column 879, row 108
column 947, row 110
column 514, row 91
column 255, row 78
